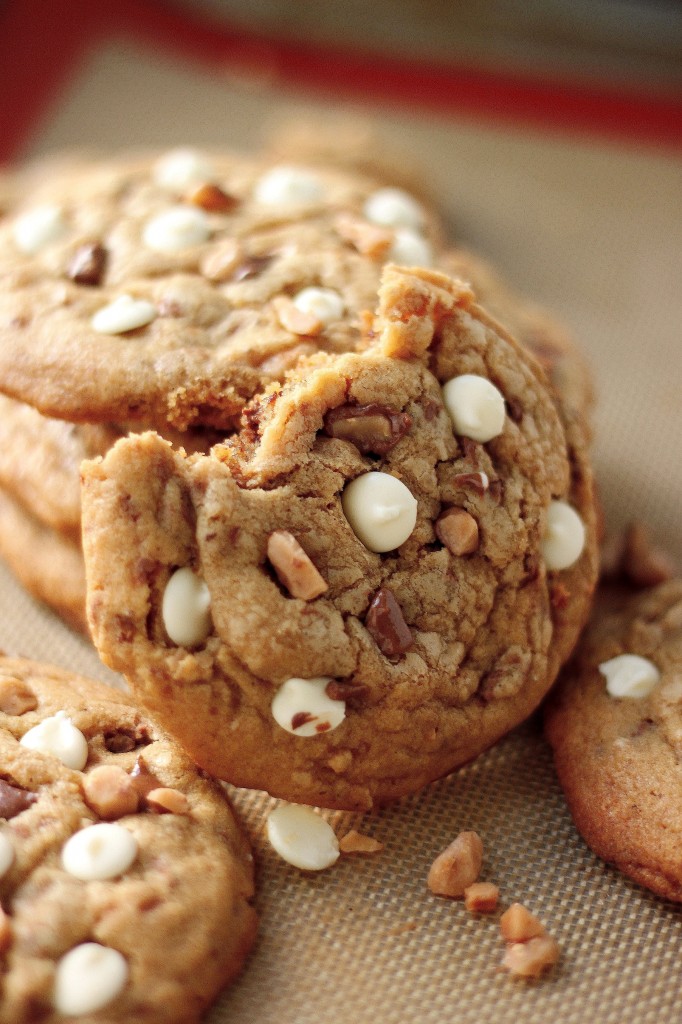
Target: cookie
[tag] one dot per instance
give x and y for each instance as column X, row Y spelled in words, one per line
column 353, row 595
column 614, row 725
column 48, row 564
column 169, row 290
column 126, row 882
column 40, row 460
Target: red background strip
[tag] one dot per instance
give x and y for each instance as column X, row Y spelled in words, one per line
column 42, row 43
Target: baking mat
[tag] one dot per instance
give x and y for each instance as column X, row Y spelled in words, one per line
column 593, row 230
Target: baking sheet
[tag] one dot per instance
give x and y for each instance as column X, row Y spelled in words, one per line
column 593, row 230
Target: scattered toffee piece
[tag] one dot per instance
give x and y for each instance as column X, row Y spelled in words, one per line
column 211, row 198
column 88, row 264
column 385, row 622
column 371, row 428
column 14, row 800
column 251, row 267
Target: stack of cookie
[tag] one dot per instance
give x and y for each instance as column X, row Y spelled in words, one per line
column 337, row 512
column 336, row 526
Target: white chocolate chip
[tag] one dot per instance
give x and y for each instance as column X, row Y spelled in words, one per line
column 380, row 509
column 38, row 227
column 394, row 208
column 476, row 407
column 87, row 978
column 564, row 538
column 6, row 853
column 123, row 314
column 410, row 249
column 99, row 851
column 302, row 707
column 179, row 228
column 180, row 168
column 58, row 736
column 288, row 186
column 629, row 675
column 324, row 304
column 186, row 608
column 302, row 838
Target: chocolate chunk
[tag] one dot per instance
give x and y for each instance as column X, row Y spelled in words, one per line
column 144, row 779
column 301, row 718
column 251, row 267
column 385, row 622
column 14, row 800
column 477, row 482
column 348, row 692
column 88, row 264
column 122, row 741
column 371, row 428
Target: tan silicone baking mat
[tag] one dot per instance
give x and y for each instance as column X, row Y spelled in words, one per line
column 593, row 230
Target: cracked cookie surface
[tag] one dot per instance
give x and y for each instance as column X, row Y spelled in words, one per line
column 125, row 881
column 334, row 668
column 615, row 726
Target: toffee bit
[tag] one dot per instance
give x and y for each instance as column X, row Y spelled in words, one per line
column 210, row 197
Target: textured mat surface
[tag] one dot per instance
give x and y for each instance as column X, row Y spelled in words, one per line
column 595, row 232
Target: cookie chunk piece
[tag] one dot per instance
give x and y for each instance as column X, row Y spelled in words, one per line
column 615, row 726
column 125, row 880
column 351, row 596
column 169, row 290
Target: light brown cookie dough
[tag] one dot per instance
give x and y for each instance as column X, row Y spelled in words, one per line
column 48, row 564
column 125, row 881
column 352, row 596
column 170, row 289
column 615, row 726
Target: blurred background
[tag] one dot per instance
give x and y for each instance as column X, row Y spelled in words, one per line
column 620, row 40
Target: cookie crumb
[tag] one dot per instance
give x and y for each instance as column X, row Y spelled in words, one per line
column 356, row 842
column 457, row 867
